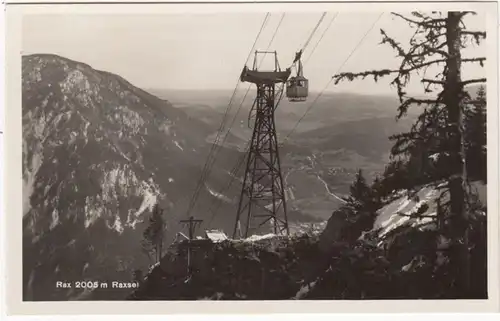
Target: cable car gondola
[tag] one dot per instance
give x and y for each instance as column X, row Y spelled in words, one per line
column 297, row 87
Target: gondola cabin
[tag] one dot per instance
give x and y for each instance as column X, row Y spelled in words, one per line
column 297, row 88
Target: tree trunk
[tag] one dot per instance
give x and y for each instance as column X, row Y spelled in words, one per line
column 454, row 100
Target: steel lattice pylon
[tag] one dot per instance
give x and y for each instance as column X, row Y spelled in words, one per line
column 262, row 199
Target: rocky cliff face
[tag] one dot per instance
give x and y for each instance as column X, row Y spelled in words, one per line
column 98, row 153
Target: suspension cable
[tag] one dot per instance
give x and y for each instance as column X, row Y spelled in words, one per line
column 331, row 79
column 321, row 38
column 313, row 31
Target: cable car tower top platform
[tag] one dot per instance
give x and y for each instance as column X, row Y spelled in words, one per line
column 267, row 77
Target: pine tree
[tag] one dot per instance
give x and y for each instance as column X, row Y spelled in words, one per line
column 377, row 191
column 360, row 208
column 438, row 40
column 360, row 193
column 154, row 233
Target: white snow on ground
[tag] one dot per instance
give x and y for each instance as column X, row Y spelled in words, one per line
column 29, row 178
column 389, row 216
column 304, row 290
column 179, row 146
column 118, row 181
column 85, row 131
column 117, row 225
column 131, row 120
column 298, row 228
column 216, row 296
column 170, row 180
column 255, row 238
column 55, row 218
column 148, row 202
column 165, row 127
column 218, row 195
column 92, row 211
column 151, row 268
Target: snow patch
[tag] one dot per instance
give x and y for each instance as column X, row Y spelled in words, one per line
column 85, row 131
column 218, row 195
column 117, row 226
column 152, row 267
column 255, row 238
column 75, row 81
column 179, row 146
column 29, row 176
column 165, row 127
column 55, row 219
column 149, row 194
column 390, row 216
column 304, row 290
column 131, row 120
column 92, row 210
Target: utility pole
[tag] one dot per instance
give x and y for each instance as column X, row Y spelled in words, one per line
column 191, row 224
column 262, row 195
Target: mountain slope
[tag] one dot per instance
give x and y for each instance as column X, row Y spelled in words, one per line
column 97, row 154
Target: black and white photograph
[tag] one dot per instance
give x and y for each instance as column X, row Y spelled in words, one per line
column 256, row 155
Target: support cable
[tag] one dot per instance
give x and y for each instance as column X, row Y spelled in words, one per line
column 331, row 79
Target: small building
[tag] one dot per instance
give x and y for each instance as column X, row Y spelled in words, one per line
column 216, row 236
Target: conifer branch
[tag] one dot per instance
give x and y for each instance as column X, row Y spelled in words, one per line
column 481, row 60
column 475, row 34
column 433, row 81
column 384, row 72
column 473, row 81
column 427, row 23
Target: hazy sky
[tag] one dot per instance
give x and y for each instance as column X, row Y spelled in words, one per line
column 208, row 51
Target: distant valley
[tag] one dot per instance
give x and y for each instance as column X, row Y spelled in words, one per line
column 340, row 134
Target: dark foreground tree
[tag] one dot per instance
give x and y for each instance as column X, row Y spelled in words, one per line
column 435, row 146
